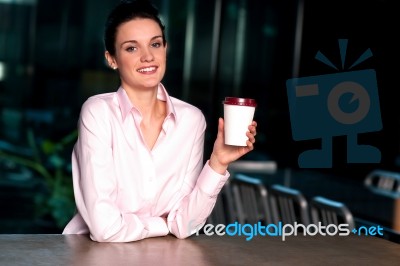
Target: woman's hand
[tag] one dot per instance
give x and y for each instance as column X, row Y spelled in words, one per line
column 222, row 155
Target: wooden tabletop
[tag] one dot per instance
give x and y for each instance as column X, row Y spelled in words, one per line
column 198, row 250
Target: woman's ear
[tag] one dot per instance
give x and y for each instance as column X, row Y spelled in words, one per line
column 110, row 60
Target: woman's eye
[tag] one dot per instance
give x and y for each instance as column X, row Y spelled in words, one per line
column 156, row 44
column 131, row 49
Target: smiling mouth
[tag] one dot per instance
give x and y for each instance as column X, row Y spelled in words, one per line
column 147, row 69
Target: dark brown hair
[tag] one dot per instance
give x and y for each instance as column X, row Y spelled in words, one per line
column 124, row 12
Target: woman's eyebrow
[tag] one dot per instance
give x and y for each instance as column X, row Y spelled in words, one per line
column 155, row 37
column 134, row 41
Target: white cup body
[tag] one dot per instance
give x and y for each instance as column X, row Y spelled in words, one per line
column 237, row 119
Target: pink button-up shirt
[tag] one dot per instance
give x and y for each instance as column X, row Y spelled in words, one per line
column 122, row 189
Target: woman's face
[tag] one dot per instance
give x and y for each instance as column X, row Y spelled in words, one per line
column 140, row 55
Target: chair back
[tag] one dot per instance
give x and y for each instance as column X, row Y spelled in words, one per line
column 384, row 182
column 288, row 205
column 328, row 212
column 251, row 199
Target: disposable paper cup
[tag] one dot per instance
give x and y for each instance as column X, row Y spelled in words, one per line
column 238, row 115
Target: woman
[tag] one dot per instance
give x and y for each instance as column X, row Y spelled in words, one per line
column 137, row 164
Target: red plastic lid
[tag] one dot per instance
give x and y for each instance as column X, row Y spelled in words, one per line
column 240, row 101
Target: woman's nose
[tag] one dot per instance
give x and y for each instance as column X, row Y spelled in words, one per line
column 147, row 55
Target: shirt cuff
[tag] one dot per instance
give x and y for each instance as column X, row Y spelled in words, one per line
column 155, row 226
column 211, row 182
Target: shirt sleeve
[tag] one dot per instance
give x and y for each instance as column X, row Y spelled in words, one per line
column 95, row 183
column 199, row 196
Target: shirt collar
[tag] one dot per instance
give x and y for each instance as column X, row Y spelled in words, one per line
column 126, row 105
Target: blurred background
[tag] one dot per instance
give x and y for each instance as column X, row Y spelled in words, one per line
column 51, row 61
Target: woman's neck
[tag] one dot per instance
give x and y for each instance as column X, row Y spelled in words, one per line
column 147, row 103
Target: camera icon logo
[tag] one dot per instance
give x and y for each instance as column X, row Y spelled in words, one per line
column 339, row 104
